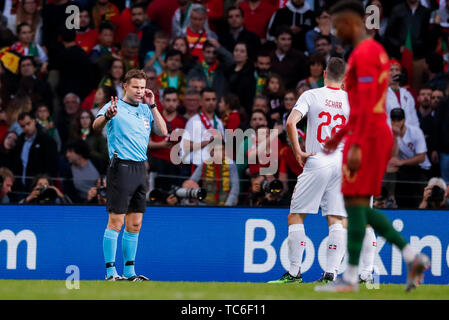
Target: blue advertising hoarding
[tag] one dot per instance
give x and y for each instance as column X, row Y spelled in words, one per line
column 198, row 244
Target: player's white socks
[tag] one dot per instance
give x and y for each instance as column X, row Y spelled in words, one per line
column 336, row 248
column 408, row 253
column 367, row 254
column 296, row 246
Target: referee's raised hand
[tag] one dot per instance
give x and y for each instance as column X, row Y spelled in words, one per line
column 112, row 109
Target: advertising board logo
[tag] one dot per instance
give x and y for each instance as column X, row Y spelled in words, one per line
column 12, row 243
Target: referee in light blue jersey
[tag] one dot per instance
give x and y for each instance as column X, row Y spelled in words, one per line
column 128, row 122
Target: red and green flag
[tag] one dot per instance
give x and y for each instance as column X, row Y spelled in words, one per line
column 407, row 56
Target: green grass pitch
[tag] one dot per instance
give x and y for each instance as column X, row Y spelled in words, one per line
column 155, row 290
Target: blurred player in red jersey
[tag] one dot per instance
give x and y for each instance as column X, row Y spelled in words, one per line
column 368, row 146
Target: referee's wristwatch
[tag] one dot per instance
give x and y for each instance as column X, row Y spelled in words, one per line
column 152, row 106
column 106, row 117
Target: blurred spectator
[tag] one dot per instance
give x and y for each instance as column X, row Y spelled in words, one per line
column 229, row 111
column 237, row 33
column 257, row 14
column 43, row 117
column 201, row 129
column 298, row 16
column 181, row 44
column 34, row 153
column 67, row 118
column 20, row 103
column 152, row 83
column 105, row 50
column 104, row 10
column 437, row 96
column 38, row 90
column 172, row 76
column 323, row 46
column 261, row 103
column 181, row 17
column 6, row 183
column 6, row 149
column 102, row 96
column 44, row 192
column 114, row 77
column 241, row 76
column 379, row 33
column 274, row 92
column 191, row 103
column 95, row 140
column 156, row 58
column 7, row 37
column 197, row 32
column 197, row 83
column 81, row 175
column 398, row 97
column 97, row 194
column 289, row 102
column 218, row 175
column 161, row 13
column 86, row 35
column 323, row 28
column 54, row 18
column 292, row 64
column 262, row 72
column 213, row 68
column 161, row 147
column 436, row 76
column 440, row 141
column 412, row 162
column 409, row 16
column 28, row 11
column 435, row 195
column 317, row 64
column 75, row 69
column 130, row 52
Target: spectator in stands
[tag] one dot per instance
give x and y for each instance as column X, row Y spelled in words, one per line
column 28, row 11
column 217, row 60
column 181, row 18
column 54, row 18
column 20, row 103
column 236, row 33
column 191, row 103
column 323, row 46
column 317, row 64
column 411, row 161
column 95, row 140
column 219, row 177
column 181, row 44
column 102, row 96
column 44, row 192
column 104, row 10
column 292, row 64
column 435, row 195
column 437, row 96
column 323, row 28
column 34, row 153
column 290, row 99
column 440, row 141
column 398, row 97
column 241, row 76
column 67, row 118
column 105, row 50
column 6, row 149
column 82, row 174
column 409, row 16
column 229, row 111
column 261, row 103
column 197, row 83
column 97, row 194
column 86, row 35
column 26, row 46
column 74, row 67
column 257, row 14
column 437, row 78
column 156, row 58
column 274, row 91
column 43, row 117
column 162, row 11
column 152, row 83
column 379, row 33
column 130, row 52
column 172, row 76
column 298, row 16
column 114, row 78
column 160, row 147
column 197, row 32
column 6, row 183
column 38, row 90
column 262, row 72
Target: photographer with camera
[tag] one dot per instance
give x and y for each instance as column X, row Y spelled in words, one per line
column 267, row 192
column 189, row 195
column 97, row 194
column 436, row 195
column 44, row 192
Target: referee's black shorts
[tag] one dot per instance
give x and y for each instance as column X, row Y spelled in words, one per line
column 126, row 187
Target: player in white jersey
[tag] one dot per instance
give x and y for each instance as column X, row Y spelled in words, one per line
column 319, row 185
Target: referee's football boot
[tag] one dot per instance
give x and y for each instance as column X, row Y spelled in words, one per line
column 326, row 278
column 338, row 285
column 415, row 271
column 114, row 278
column 136, row 278
column 288, row 278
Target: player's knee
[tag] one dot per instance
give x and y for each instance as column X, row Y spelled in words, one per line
column 115, row 222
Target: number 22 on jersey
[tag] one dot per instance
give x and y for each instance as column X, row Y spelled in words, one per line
column 337, row 122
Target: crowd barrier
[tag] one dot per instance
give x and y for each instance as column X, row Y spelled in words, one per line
column 198, row 244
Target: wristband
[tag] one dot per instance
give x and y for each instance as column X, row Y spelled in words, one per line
column 152, row 106
column 106, row 117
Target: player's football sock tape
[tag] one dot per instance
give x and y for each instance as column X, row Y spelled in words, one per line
column 129, row 249
column 109, row 250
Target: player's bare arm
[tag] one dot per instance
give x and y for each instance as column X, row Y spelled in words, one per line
column 301, row 156
column 110, row 113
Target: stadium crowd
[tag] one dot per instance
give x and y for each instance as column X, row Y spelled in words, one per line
column 245, row 61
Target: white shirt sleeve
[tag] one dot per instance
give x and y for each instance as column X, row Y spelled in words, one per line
column 303, row 103
column 411, row 111
column 421, row 146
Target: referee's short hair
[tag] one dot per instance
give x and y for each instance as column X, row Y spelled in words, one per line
column 336, row 68
column 135, row 74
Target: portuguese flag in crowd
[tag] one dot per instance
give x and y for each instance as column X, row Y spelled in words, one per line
column 407, row 56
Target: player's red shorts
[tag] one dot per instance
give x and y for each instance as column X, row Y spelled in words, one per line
column 376, row 152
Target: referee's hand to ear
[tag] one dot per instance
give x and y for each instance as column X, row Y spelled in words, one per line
column 112, row 109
